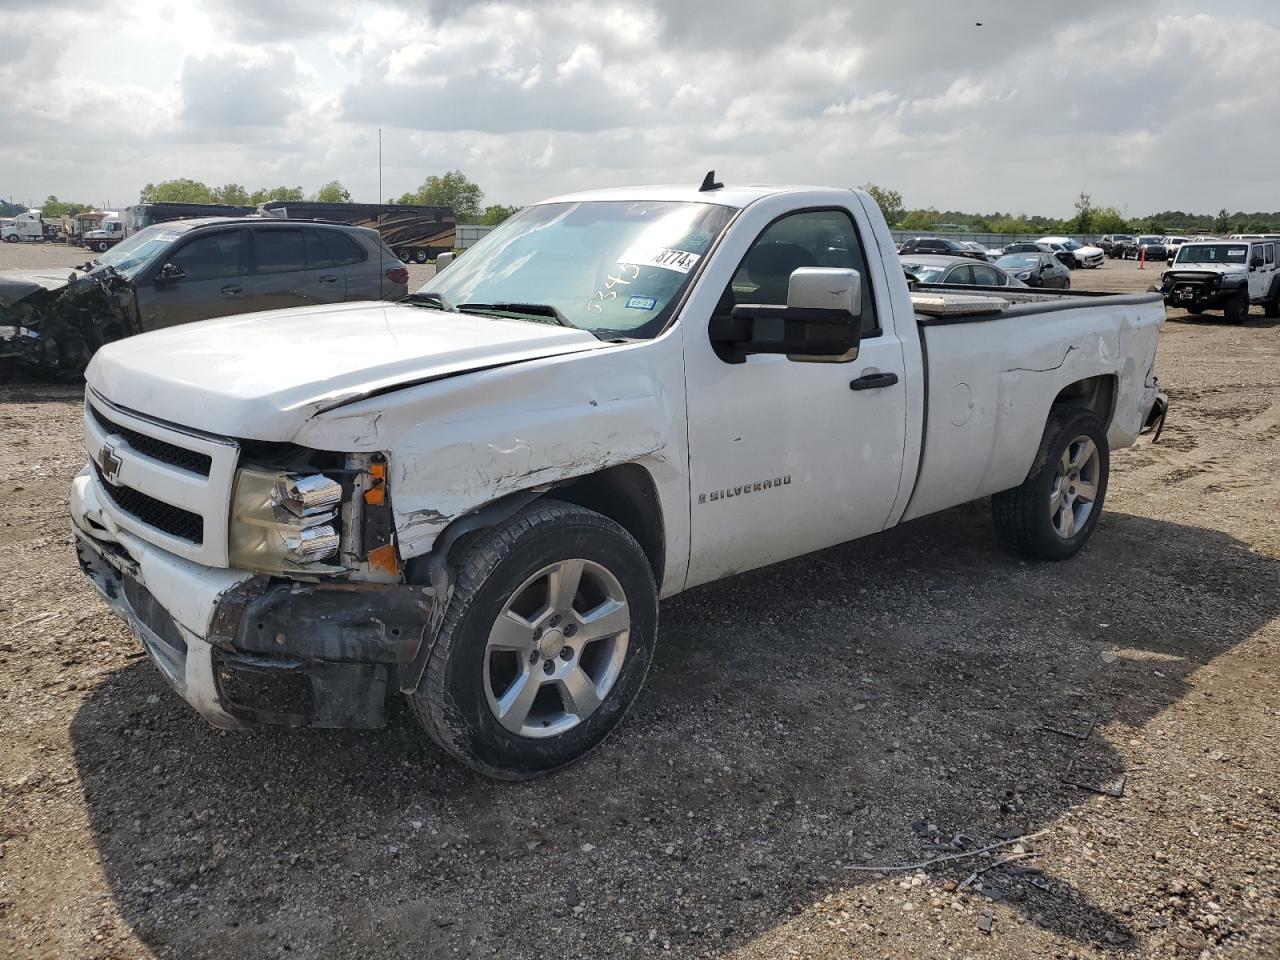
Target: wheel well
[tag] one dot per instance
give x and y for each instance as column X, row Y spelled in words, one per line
column 1093, row 393
column 626, row 494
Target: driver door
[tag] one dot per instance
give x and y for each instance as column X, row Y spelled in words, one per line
column 789, row 456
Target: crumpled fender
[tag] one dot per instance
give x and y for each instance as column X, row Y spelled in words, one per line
column 61, row 320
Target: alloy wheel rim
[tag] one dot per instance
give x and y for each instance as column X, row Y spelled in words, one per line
column 1074, row 492
column 556, row 649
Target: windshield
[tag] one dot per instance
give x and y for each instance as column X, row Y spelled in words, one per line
column 1018, row 261
column 1071, row 245
column 1149, row 240
column 1213, row 253
column 608, row 267
column 129, row 256
column 924, row 272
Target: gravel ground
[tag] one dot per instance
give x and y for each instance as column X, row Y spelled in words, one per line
column 881, row 703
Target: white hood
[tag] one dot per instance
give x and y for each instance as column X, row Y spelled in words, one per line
column 262, row 375
column 1223, row 268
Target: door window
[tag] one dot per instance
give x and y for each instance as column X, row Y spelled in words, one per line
column 814, row 238
column 1269, row 254
column 210, row 256
column 984, row 276
column 279, row 251
column 961, row 274
column 318, row 255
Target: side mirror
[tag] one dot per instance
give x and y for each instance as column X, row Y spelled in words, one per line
column 821, row 321
column 1256, row 262
column 443, row 260
column 170, row 273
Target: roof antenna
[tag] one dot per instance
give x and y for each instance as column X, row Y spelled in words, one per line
column 709, row 183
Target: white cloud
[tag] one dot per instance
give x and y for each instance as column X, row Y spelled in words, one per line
column 534, row 98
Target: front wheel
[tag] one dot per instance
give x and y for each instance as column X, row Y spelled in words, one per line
column 545, row 644
column 1052, row 514
column 1237, row 308
column 1272, row 307
column 420, row 256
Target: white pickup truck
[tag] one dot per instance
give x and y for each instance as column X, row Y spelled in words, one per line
column 477, row 497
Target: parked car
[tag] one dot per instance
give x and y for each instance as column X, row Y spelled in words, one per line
column 1089, row 257
column 930, row 268
column 186, row 270
column 1226, row 274
column 1116, row 245
column 940, row 245
column 1036, row 269
column 476, row 497
column 1064, row 256
column 978, row 248
column 1149, row 247
column 1171, row 247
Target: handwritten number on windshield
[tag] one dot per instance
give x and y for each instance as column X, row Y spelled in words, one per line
column 603, row 296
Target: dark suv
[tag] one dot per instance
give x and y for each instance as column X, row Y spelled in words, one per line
column 186, row 270
column 941, row 245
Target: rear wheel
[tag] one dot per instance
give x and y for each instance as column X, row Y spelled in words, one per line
column 1197, row 310
column 1053, row 513
column 1237, row 308
column 1272, row 307
column 420, row 256
column 545, row 644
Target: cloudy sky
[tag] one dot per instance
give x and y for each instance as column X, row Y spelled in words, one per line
column 1160, row 105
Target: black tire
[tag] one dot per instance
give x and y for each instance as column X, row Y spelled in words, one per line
column 420, row 256
column 1066, row 284
column 451, row 701
column 1272, row 307
column 1023, row 516
column 1236, row 310
column 1193, row 309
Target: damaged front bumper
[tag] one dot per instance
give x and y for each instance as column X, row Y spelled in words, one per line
column 243, row 648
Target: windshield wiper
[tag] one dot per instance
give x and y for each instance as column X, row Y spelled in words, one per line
column 532, row 309
column 431, row 300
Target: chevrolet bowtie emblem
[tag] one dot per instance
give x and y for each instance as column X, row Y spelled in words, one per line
column 109, row 463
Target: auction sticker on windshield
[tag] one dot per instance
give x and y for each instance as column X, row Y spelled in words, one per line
column 680, row 261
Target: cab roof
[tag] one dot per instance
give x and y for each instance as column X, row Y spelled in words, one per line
column 738, row 195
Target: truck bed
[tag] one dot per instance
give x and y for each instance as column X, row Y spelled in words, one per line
column 996, row 359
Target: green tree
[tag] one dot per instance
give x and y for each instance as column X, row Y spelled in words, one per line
column 890, row 202
column 231, row 193
column 918, row 219
column 1109, row 220
column 1083, row 222
column 332, row 192
column 53, row 208
column 453, row 189
column 181, row 190
column 287, row 194
column 1223, row 223
column 495, row 213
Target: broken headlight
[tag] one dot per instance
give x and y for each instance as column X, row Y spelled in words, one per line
column 284, row 522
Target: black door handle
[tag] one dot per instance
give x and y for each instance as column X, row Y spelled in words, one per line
column 874, row 381
column 328, row 278
column 231, row 289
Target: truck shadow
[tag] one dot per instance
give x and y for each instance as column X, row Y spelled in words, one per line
column 800, row 719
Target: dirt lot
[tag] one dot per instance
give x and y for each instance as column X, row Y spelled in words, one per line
column 857, row 707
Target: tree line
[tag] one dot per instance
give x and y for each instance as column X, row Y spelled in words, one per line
column 1088, row 219
column 452, row 189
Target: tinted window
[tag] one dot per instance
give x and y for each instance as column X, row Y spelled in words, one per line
column 815, row 238
column 279, row 251
column 1270, row 252
column 986, row 277
column 342, row 248
column 960, row 275
column 318, row 255
column 210, row 256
